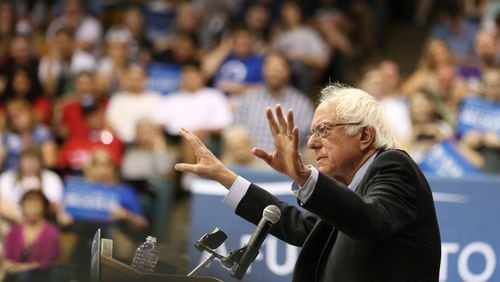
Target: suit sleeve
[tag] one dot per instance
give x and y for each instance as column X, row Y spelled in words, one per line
column 388, row 204
column 293, row 226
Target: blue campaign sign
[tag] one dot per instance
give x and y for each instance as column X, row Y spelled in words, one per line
column 444, row 159
column 467, row 210
column 90, row 201
column 478, row 114
column 163, row 78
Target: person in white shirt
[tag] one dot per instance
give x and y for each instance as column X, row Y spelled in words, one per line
column 62, row 63
column 132, row 103
column 196, row 107
column 201, row 109
column 30, row 175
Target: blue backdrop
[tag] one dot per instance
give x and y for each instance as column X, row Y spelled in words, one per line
column 467, row 213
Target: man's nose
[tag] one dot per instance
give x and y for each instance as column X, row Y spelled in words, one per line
column 313, row 142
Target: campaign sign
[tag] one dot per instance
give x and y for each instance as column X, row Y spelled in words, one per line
column 478, row 114
column 90, row 201
column 163, row 78
column 467, row 212
column 444, row 159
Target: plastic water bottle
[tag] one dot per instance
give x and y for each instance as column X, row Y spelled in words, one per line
column 146, row 256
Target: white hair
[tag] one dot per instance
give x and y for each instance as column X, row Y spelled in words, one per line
column 355, row 105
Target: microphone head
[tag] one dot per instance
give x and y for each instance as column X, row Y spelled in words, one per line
column 271, row 213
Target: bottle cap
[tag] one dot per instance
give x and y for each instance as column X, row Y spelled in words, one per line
column 151, row 238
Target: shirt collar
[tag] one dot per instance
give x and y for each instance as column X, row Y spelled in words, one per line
column 360, row 173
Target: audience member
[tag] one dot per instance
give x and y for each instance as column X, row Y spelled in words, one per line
column 233, row 64
column 456, row 32
column 22, row 132
column 23, row 84
column 149, row 156
column 487, row 51
column 111, row 67
column 201, row 109
column 132, row 103
column 88, row 29
column 435, row 55
column 129, row 215
column 196, row 107
column 20, row 54
column 258, row 21
column 276, row 90
column 486, row 140
column 69, row 120
column 133, row 19
column 32, row 246
column 31, row 175
column 76, row 152
column 307, row 60
column 237, row 149
column 383, row 82
column 428, row 125
column 62, row 62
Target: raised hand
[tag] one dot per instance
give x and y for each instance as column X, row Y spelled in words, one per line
column 285, row 157
column 207, row 165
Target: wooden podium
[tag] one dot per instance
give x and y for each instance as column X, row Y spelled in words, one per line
column 106, row 269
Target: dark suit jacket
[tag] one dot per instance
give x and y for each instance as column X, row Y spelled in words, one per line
column 384, row 231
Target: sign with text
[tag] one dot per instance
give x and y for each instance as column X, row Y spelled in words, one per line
column 90, row 201
column 444, row 159
column 467, row 210
column 478, row 114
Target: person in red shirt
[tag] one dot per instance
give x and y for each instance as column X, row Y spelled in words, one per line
column 69, row 118
column 76, row 152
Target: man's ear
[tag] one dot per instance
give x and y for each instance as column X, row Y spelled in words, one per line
column 366, row 137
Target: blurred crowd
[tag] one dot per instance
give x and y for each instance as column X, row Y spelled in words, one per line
column 99, row 90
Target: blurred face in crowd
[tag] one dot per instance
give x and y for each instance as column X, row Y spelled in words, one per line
column 30, row 164
column 134, row 21
column 242, row 43
column 486, row 47
column 21, row 83
column 491, row 84
column 95, row 120
column 84, row 84
column 20, row 50
column 257, row 17
column 390, row 75
column 276, row 72
column 439, row 52
column 238, row 146
column 102, row 168
column 33, row 209
column 73, row 12
column 291, row 14
column 6, row 18
column 192, row 78
column 373, row 83
column 187, row 18
column 64, row 45
column 184, row 49
column 20, row 116
column 117, row 50
column 422, row 108
column 135, row 79
column 146, row 132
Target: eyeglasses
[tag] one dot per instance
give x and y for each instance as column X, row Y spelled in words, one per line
column 324, row 129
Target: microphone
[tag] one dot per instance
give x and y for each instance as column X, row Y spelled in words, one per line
column 270, row 216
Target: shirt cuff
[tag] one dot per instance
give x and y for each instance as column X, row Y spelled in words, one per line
column 303, row 193
column 237, row 192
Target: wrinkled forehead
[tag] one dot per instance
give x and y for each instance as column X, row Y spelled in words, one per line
column 325, row 112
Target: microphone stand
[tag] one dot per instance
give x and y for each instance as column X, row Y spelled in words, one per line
column 207, row 243
column 205, row 262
